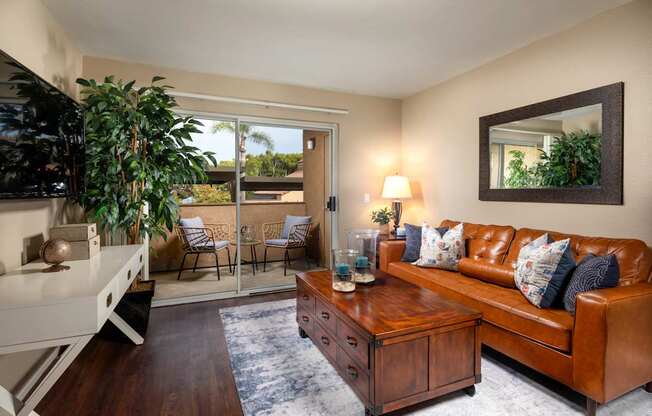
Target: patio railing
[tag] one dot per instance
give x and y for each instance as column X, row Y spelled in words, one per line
column 167, row 254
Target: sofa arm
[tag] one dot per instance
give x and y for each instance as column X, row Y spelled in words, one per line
column 390, row 252
column 498, row 274
column 612, row 341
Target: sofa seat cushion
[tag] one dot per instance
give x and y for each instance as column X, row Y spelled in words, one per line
column 504, row 307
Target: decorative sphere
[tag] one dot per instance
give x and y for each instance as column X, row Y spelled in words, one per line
column 55, row 251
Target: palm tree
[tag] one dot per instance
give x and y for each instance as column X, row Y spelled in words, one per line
column 247, row 132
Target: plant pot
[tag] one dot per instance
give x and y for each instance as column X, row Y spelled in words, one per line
column 384, row 229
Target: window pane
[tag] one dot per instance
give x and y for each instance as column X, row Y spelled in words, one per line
column 217, row 137
column 272, row 162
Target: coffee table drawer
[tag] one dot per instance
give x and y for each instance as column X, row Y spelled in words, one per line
column 353, row 342
column 353, row 373
column 325, row 316
column 305, row 321
column 305, row 299
column 325, row 342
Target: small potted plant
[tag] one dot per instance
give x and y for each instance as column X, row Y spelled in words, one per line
column 382, row 217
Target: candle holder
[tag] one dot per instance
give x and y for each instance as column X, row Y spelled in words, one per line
column 344, row 263
column 364, row 242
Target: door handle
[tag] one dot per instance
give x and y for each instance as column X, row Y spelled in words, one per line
column 331, row 204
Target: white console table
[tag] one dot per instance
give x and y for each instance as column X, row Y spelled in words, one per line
column 63, row 310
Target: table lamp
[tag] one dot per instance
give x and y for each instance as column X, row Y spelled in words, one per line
column 396, row 188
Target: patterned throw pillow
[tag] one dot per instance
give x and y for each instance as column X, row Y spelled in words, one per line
column 413, row 242
column 442, row 252
column 592, row 273
column 542, row 269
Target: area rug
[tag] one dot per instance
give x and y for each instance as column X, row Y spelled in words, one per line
column 278, row 373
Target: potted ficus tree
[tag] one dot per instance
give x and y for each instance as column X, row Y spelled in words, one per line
column 137, row 148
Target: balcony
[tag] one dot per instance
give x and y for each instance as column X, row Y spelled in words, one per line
column 167, row 254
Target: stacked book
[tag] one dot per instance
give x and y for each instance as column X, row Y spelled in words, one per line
column 83, row 239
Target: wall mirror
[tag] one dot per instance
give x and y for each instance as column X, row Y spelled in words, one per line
column 568, row 149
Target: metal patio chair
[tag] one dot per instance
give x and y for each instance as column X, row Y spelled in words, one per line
column 200, row 238
column 297, row 238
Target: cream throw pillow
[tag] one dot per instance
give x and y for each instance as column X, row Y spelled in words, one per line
column 441, row 252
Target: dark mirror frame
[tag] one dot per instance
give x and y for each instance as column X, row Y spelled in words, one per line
column 610, row 191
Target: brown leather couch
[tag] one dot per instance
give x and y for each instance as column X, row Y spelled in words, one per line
column 604, row 351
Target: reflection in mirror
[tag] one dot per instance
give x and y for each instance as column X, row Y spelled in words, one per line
column 559, row 150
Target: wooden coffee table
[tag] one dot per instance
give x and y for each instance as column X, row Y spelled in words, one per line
column 394, row 343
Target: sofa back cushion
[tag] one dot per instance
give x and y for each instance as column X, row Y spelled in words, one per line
column 634, row 256
column 486, row 242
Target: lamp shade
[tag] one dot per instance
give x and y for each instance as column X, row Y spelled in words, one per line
column 397, row 187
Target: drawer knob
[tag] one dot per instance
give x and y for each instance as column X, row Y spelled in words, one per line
column 351, row 341
column 306, row 297
column 352, row 372
column 129, row 275
column 325, row 340
column 326, row 315
column 141, row 258
column 305, row 318
column 109, row 300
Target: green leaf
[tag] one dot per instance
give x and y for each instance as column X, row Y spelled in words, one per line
column 128, row 86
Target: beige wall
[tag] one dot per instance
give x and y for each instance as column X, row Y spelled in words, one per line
column 369, row 135
column 29, row 34
column 440, row 125
column 591, row 122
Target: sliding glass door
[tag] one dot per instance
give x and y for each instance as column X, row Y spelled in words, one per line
column 263, row 210
column 282, row 202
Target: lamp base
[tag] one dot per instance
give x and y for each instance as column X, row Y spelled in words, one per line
column 397, row 211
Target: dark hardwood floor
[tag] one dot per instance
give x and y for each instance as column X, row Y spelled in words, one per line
column 182, row 369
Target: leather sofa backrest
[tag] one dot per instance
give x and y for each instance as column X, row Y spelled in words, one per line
column 634, row 256
column 486, row 242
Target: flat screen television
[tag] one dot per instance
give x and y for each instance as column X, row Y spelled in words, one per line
column 41, row 136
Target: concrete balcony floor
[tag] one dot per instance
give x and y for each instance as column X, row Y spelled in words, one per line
column 204, row 281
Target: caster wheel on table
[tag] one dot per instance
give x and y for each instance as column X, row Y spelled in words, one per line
column 470, row 391
column 302, row 333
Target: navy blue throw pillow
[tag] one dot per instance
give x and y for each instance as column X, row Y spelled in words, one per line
column 592, row 273
column 413, row 242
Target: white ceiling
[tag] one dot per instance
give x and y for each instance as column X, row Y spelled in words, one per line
column 390, row 48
